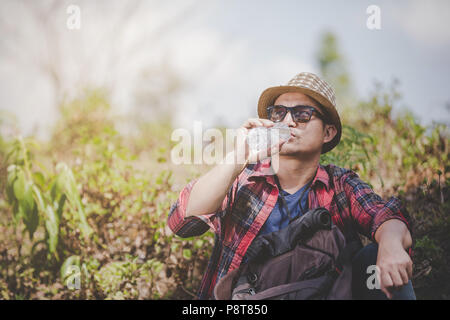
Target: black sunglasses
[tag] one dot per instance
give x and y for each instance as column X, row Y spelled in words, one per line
column 298, row 113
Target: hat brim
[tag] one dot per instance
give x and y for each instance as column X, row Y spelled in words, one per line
column 269, row 96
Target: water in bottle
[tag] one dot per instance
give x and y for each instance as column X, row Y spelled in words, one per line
column 261, row 138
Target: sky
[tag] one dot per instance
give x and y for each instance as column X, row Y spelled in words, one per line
column 225, row 53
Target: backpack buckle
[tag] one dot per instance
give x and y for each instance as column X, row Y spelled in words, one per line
column 252, row 278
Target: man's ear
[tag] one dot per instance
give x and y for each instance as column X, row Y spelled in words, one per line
column 329, row 133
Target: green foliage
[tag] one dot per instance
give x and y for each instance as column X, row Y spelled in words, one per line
column 33, row 203
column 119, row 280
column 352, row 151
column 428, row 247
column 65, row 188
column 96, row 212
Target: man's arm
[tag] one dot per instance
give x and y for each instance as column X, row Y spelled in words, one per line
column 385, row 222
column 200, row 201
column 394, row 231
column 394, row 263
column 198, row 205
column 209, row 192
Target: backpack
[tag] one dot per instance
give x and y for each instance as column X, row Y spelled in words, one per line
column 309, row 259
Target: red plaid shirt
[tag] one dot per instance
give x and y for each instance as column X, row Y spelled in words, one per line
column 354, row 206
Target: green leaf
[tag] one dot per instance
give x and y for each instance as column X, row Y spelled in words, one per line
column 27, row 200
column 60, row 207
column 52, row 227
column 27, row 206
column 32, row 221
column 18, row 212
column 66, row 183
column 55, row 191
column 12, row 176
column 39, row 178
column 19, row 185
column 10, row 193
column 198, row 244
column 12, row 173
column 187, row 254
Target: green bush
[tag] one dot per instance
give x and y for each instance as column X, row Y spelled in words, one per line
column 96, row 212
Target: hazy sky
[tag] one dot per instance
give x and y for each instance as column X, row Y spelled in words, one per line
column 225, row 52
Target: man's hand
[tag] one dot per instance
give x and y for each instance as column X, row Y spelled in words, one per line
column 395, row 267
column 242, row 149
column 209, row 191
column 394, row 263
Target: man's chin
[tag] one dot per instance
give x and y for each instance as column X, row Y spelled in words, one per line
column 290, row 147
column 289, row 151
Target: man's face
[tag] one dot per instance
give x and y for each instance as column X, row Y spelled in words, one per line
column 306, row 138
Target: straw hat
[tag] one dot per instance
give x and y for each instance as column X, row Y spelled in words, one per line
column 314, row 87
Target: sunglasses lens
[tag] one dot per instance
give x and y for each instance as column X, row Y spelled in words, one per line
column 301, row 114
column 277, row 113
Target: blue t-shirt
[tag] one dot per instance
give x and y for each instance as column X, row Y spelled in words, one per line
column 278, row 218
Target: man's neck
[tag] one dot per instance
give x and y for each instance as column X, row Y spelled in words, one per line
column 293, row 173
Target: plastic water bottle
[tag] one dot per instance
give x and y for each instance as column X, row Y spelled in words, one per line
column 261, row 138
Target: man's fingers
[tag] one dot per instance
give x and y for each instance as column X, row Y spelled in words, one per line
column 251, row 123
column 393, row 280
column 267, row 122
column 257, row 122
column 404, row 275
column 397, row 279
column 386, row 283
column 387, row 292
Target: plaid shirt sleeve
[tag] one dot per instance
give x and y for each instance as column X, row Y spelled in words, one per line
column 191, row 226
column 368, row 209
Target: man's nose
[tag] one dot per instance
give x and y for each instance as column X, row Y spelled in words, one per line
column 288, row 120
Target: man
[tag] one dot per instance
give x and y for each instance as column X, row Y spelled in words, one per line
column 239, row 203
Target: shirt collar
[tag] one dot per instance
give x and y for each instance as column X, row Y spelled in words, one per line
column 322, row 176
column 263, row 169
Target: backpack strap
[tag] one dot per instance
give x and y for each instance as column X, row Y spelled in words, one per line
column 284, row 289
